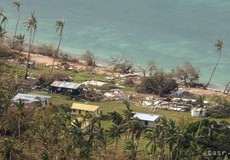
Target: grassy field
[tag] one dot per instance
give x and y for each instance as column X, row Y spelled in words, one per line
column 182, row 118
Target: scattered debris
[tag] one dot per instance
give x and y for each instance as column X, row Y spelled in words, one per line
column 109, row 78
column 120, row 86
column 94, row 83
column 129, row 75
column 114, row 94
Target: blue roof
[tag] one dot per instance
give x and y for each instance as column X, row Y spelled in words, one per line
column 146, row 116
column 63, row 84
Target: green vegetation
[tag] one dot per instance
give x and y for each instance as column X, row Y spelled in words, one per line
column 121, row 64
column 17, row 5
column 49, row 131
column 222, row 110
column 104, row 138
column 159, row 83
column 89, row 58
column 59, row 28
column 32, row 132
column 187, row 74
column 31, row 25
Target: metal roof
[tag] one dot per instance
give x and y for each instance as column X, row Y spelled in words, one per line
column 146, row 116
column 29, row 98
column 63, row 84
column 84, row 107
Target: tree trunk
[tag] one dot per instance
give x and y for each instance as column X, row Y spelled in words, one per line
column 214, row 69
column 28, row 58
column 226, row 89
column 19, row 130
column 56, row 54
column 16, row 28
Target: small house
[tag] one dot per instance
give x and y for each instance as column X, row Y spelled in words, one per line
column 65, row 87
column 147, row 120
column 78, row 108
column 31, row 98
column 198, row 112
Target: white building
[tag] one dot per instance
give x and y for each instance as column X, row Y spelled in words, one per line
column 147, row 120
column 198, row 112
column 31, row 98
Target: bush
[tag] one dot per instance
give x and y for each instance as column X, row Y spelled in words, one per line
column 129, row 82
column 148, row 69
column 68, row 58
column 46, row 50
column 160, row 83
column 5, row 67
column 89, row 58
column 187, row 74
column 5, row 53
column 222, row 110
column 122, row 65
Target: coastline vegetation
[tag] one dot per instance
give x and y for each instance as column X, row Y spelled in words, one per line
column 53, row 133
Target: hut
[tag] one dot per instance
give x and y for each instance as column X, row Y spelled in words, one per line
column 79, row 108
column 63, row 87
column 198, row 112
column 31, row 98
column 147, row 120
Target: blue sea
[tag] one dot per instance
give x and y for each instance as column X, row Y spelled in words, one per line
column 166, row 31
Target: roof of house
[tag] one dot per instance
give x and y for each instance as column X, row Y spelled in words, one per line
column 84, row 107
column 146, row 116
column 63, row 84
column 29, row 98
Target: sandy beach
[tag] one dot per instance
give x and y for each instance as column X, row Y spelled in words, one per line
column 40, row 59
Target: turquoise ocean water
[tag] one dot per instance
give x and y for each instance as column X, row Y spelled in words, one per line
column 166, row 31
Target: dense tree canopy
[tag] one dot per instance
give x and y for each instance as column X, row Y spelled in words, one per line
column 159, row 83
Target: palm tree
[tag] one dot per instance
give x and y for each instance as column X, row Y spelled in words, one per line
column 131, row 147
column 17, row 4
column 173, row 133
column 8, row 150
column 201, row 104
column 20, row 40
column 4, row 18
column 218, row 46
column 2, row 35
column 59, row 28
column 116, row 117
column 153, row 135
column 31, row 24
column 136, row 130
column 20, row 106
column 128, row 112
column 183, row 141
column 115, row 132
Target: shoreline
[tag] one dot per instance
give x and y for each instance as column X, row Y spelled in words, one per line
column 212, row 86
column 104, row 69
